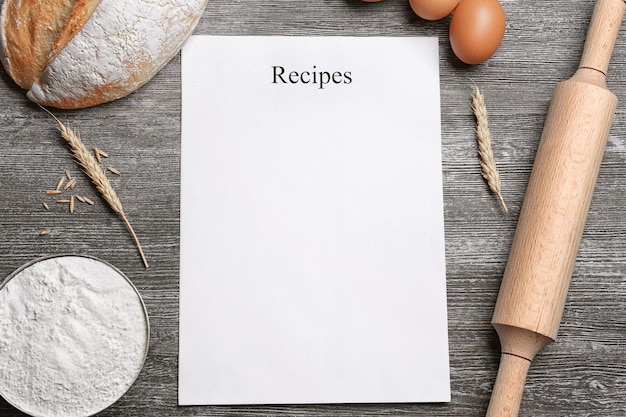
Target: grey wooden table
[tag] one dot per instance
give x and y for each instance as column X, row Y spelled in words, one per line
column 582, row 374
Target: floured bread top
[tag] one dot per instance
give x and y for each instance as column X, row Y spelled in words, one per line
column 31, row 30
column 80, row 53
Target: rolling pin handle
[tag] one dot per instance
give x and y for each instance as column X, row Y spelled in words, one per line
column 509, row 387
column 519, row 347
column 602, row 34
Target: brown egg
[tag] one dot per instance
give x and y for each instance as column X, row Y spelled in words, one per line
column 433, row 9
column 476, row 30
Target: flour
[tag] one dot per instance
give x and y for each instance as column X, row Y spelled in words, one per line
column 73, row 337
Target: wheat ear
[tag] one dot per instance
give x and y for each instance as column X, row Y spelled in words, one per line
column 89, row 164
column 485, row 152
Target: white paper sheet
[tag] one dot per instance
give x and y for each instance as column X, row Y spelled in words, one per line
column 312, row 240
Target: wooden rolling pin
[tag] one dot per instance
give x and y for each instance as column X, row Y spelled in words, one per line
column 539, row 269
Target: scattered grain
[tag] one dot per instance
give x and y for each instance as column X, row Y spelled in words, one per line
column 52, row 192
column 45, row 205
column 114, row 171
column 88, row 201
column 99, row 153
column 71, row 184
column 60, row 184
column 72, row 204
column 96, row 152
column 63, row 201
column 44, row 232
column 68, row 175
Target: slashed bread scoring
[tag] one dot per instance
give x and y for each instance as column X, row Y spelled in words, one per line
column 79, row 53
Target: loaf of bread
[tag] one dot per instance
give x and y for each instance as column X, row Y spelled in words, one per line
column 78, row 53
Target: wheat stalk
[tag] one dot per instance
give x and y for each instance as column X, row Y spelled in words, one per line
column 89, row 164
column 483, row 135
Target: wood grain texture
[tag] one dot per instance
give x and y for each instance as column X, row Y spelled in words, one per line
column 583, row 374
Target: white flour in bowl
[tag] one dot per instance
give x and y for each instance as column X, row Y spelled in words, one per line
column 73, row 337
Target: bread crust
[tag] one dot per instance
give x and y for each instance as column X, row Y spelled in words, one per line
column 29, row 30
column 81, row 12
column 106, row 52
